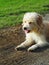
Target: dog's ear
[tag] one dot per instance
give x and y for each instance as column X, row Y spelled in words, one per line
column 39, row 20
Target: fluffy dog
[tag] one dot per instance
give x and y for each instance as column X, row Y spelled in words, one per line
column 36, row 31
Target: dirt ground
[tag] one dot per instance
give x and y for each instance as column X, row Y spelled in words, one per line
column 9, row 39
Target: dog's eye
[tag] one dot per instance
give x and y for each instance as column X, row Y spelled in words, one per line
column 30, row 22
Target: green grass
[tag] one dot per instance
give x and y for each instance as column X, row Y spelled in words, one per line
column 12, row 11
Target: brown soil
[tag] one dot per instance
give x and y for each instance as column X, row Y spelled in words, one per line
column 9, row 39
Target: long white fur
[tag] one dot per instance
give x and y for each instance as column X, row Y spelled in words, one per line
column 32, row 36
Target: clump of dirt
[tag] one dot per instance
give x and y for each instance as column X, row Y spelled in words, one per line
column 9, row 39
column 10, row 35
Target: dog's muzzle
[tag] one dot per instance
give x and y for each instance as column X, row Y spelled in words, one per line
column 26, row 30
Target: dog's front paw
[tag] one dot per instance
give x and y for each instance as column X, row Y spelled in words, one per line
column 19, row 47
column 29, row 49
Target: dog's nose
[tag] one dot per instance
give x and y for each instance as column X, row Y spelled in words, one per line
column 25, row 28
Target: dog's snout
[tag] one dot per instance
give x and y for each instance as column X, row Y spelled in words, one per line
column 25, row 28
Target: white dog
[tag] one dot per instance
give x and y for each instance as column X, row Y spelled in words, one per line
column 36, row 31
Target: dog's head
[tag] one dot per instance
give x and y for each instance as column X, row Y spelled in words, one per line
column 31, row 21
